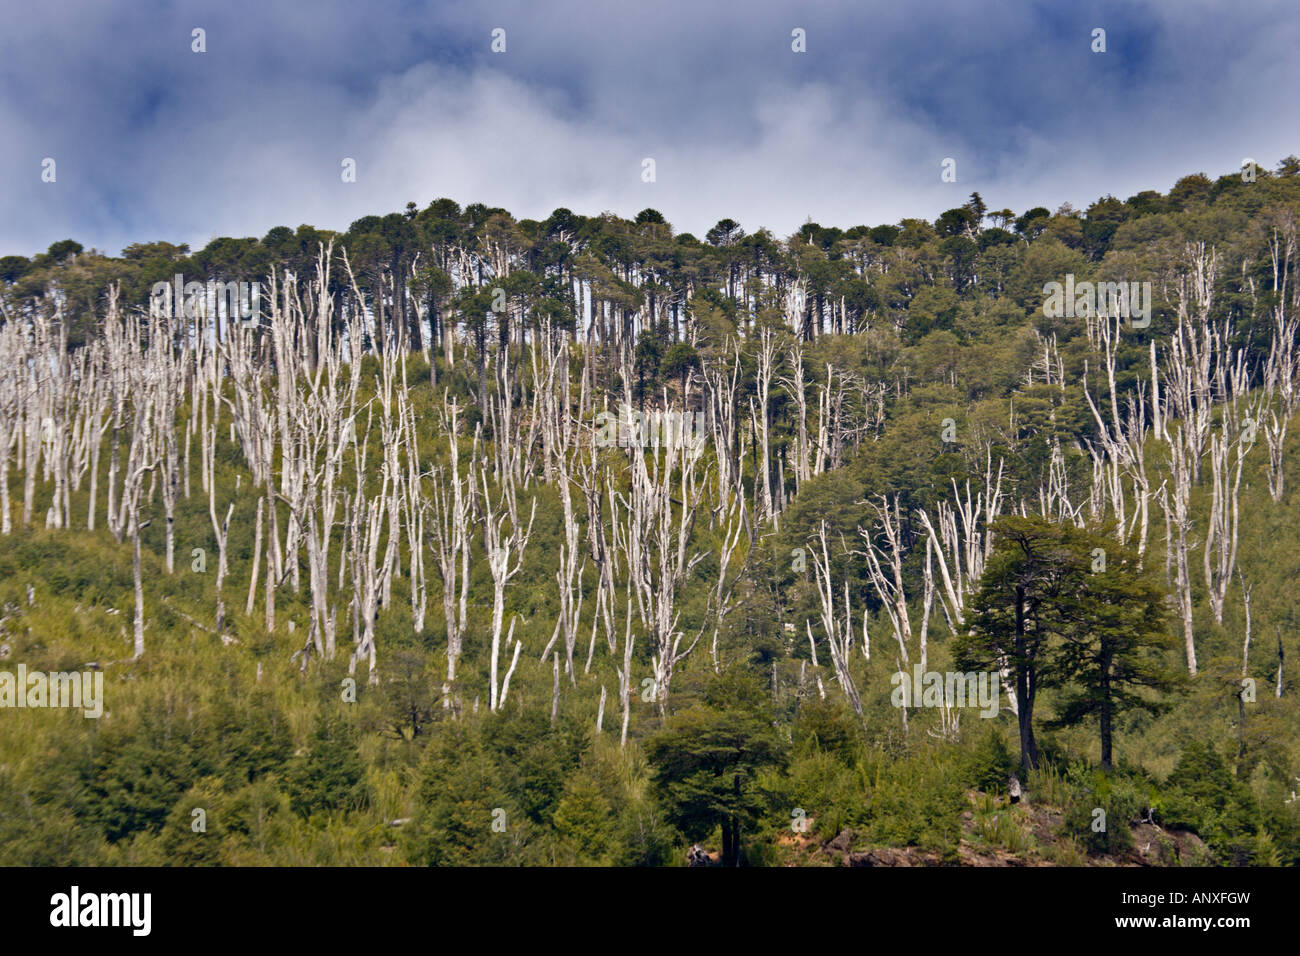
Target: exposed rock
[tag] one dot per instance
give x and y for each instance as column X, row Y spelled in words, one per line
column 698, row 856
column 842, row 842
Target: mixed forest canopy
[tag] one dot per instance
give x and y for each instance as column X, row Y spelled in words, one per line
column 370, row 578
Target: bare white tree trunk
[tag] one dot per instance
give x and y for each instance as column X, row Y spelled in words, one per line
column 1177, row 524
column 505, row 550
column 839, row 630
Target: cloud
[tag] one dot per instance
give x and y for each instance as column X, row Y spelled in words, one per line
column 154, row 141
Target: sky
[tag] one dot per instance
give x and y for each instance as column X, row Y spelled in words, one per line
column 154, row 141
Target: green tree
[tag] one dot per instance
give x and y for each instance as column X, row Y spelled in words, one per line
column 707, row 760
column 583, row 817
column 678, row 362
column 330, row 775
column 1117, row 644
column 1021, row 606
column 460, row 798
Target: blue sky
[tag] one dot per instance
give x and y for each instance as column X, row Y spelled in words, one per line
column 153, row 141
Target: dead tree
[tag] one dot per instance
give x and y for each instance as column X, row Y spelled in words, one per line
column 1174, row 502
column 559, row 435
column 368, row 569
column 13, row 383
column 760, row 420
column 220, row 530
column 450, row 508
column 794, row 386
column 962, row 541
column 1281, row 371
column 885, row 567
column 1195, row 352
column 721, row 388
column 142, row 460
column 505, row 550
column 838, row 627
column 1220, row 551
column 655, row 535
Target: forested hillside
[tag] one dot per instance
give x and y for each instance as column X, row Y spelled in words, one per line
column 497, row 541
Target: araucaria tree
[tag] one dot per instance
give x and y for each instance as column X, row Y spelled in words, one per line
column 1114, row 658
column 1018, row 610
column 1069, row 608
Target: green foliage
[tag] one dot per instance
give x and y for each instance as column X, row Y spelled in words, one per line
column 459, row 798
column 990, row 763
column 1202, row 795
column 915, row 801
column 905, row 329
column 708, row 758
column 1119, row 801
column 330, row 775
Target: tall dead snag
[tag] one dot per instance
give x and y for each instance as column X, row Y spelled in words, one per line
column 13, row 383
column 509, row 445
column 721, row 388
column 961, row 542
column 729, row 518
column 625, row 676
column 450, row 508
column 57, row 412
column 138, row 379
column 31, row 437
column 1121, row 450
column 549, row 375
column 731, row 531
column 253, row 421
column 594, row 479
column 1275, row 439
column 141, row 461
column 505, row 555
column 552, row 410
column 1054, row 496
column 832, row 433
column 392, row 398
column 1157, row 413
column 1135, row 464
column 285, row 343
column 323, row 426
column 838, row 627
column 168, row 376
column 655, row 535
column 885, row 567
column 1175, row 506
column 1282, row 369
column 760, row 420
column 413, row 504
column 122, row 344
column 559, row 435
column 1195, row 352
column 796, row 388
column 1221, row 530
column 93, row 397
column 220, row 529
column 369, row 570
